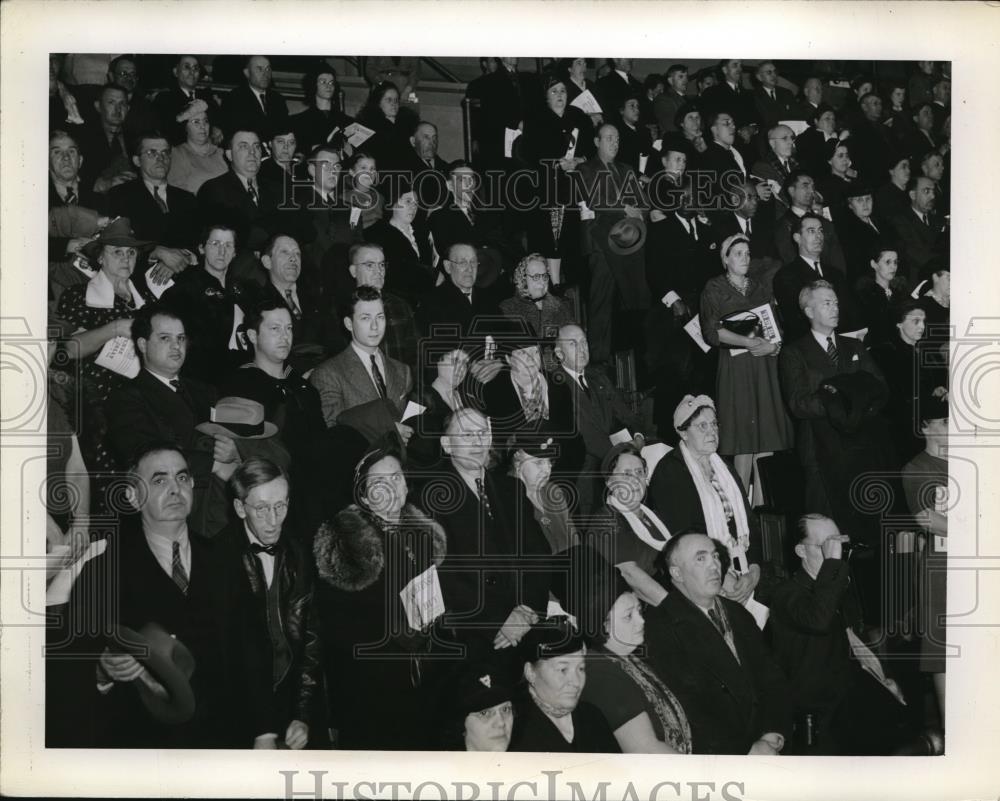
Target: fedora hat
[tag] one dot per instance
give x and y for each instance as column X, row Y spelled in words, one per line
column 241, row 418
column 627, row 236
column 170, row 662
column 117, row 233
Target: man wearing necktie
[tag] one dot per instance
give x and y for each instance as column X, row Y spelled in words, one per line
column 809, row 237
column 711, row 654
column 161, row 404
column 362, row 372
column 773, row 103
column 276, row 591
column 102, row 141
column 836, row 392
column 921, row 232
column 255, row 105
column 493, row 577
column 159, row 571
column 171, row 102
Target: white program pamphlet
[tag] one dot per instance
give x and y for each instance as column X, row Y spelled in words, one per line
column 587, row 102
column 118, row 355
column 422, row 599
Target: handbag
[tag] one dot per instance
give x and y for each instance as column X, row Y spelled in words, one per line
column 744, row 324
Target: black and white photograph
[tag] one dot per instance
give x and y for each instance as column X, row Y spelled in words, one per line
column 440, row 417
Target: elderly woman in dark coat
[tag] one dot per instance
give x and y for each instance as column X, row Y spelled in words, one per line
column 378, row 598
column 693, row 488
column 551, row 716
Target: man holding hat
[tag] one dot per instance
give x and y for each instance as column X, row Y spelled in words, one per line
column 614, row 234
column 182, row 690
column 159, row 405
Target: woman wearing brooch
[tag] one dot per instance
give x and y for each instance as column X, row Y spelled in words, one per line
column 752, row 417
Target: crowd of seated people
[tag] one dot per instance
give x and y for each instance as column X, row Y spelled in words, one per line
column 356, row 448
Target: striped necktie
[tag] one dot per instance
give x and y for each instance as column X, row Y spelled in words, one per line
column 177, row 571
column 831, row 351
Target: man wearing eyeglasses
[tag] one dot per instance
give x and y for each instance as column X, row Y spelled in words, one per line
column 171, row 102
column 159, row 212
column 777, row 164
column 368, row 267
column 456, row 302
column 275, row 589
column 123, row 71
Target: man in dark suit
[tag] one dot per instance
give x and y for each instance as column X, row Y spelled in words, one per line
column 922, row 234
column 840, row 706
column 158, row 405
column 276, row 593
column 747, row 215
column 682, row 254
column 66, row 189
column 238, row 199
column 805, row 268
column 722, row 162
column 800, row 189
column 490, row 578
column 315, row 334
column 773, row 103
column 368, row 267
column 124, row 71
column 159, row 212
column 426, row 171
column 616, row 87
column 157, row 571
column 170, row 102
column 456, row 303
column 324, row 219
column 730, row 95
column 777, row 164
column 102, row 142
column 583, row 400
column 361, row 373
column 254, row 106
column 612, row 193
column 871, row 142
column 840, row 432
column 674, row 95
column 507, row 97
column 711, row 654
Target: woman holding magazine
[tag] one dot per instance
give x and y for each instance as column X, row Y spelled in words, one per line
column 752, row 417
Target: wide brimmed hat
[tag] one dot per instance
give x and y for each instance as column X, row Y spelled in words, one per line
column 117, row 233
column 170, row 662
column 627, row 236
column 240, row 418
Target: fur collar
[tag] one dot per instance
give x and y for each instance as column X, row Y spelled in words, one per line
column 348, row 549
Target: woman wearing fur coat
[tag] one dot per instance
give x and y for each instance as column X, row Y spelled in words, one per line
column 378, row 598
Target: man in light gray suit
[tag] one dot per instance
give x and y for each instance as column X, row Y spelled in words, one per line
column 362, row 373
